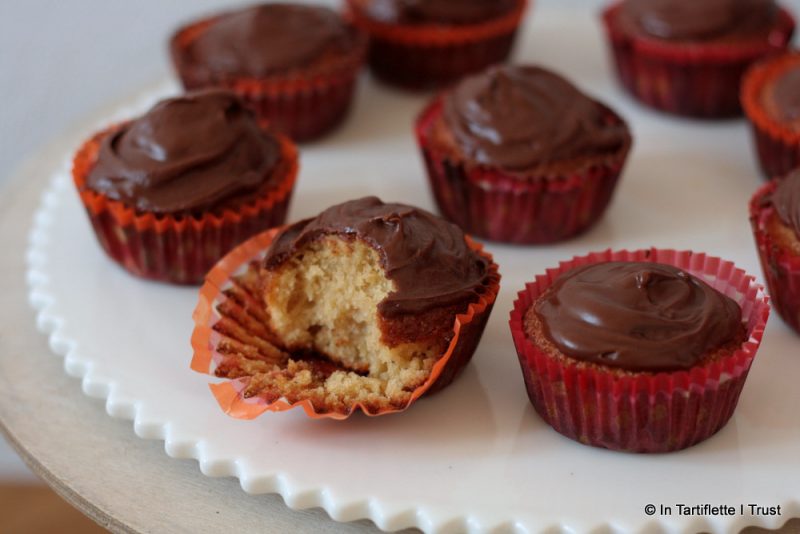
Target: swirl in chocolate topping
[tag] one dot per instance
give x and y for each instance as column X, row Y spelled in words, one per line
column 636, row 316
column 786, row 200
column 700, row 20
column 785, row 96
column 438, row 11
column 425, row 256
column 194, row 152
column 270, row 38
column 521, row 118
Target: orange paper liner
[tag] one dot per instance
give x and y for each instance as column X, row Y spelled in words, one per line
column 781, row 266
column 419, row 56
column 695, row 79
column 533, row 209
column 639, row 411
column 305, row 104
column 777, row 145
column 230, row 395
column 179, row 249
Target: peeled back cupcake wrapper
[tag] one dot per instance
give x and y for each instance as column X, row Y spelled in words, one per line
column 432, row 55
column 778, row 146
column 491, row 204
column 698, row 80
column 303, row 105
column 780, row 266
column 227, row 315
column 641, row 412
column 178, row 249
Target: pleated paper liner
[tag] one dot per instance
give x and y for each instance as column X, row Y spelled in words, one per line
column 421, row 56
column 697, row 80
column 777, row 145
column 641, row 412
column 230, row 333
column 536, row 209
column 179, row 249
column 781, row 266
column 305, row 104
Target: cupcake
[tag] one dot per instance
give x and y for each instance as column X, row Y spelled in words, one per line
column 296, row 65
column 518, row 154
column 770, row 100
column 418, row 44
column 172, row 191
column 642, row 351
column 364, row 307
column 688, row 58
column 775, row 217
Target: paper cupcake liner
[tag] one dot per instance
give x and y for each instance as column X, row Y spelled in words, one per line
column 780, row 266
column 777, row 146
column 178, row 249
column 495, row 205
column 641, row 412
column 429, row 56
column 696, row 80
column 230, row 313
column 304, row 104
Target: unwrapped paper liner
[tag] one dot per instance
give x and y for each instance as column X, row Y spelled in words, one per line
column 180, row 249
column 541, row 208
column 641, row 412
column 468, row 329
column 692, row 79
column 781, row 267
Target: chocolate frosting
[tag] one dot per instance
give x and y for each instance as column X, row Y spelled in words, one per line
column 700, row 20
column 636, row 316
column 786, row 96
column 194, row 152
column 520, row 118
column 425, row 256
column 438, row 11
column 271, row 38
column 786, row 199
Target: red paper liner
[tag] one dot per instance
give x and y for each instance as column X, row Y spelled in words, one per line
column 698, row 79
column 305, row 104
column 641, row 412
column 176, row 248
column 781, row 266
column 214, row 305
column 535, row 209
column 777, row 145
column 420, row 56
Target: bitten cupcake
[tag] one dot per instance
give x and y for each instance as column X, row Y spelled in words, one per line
column 771, row 101
column 172, row 191
column 775, row 217
column 364, row 307
column 518, row 154
column 642, row 351
column 420, row 44
column 296, row 65
column 687, row 57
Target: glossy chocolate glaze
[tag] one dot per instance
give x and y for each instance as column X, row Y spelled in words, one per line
column 190, row 153
column 437, row 11
column 425, row 256
column 786, row 200
column 700, row 20
column 784, row 95
column 522, row 117
column 270, row 38
column 636, row 316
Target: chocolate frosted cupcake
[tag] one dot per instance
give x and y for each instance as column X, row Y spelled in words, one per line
column 775, row 217
column 635, row 351
column 295, row 65
column 770, row 100
column 171, row 192
column 518, row 154
column 688, row 58
column 430, row 43
column 368, row 305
